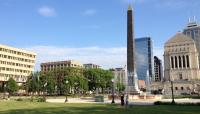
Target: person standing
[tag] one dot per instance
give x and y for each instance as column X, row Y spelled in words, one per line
column 122, row 100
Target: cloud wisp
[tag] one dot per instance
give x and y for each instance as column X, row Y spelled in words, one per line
column 47, row 11
column 105, row 57
column 89, row 12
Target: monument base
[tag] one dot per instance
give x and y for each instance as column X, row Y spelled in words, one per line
column 145, row 97
column 132, row 91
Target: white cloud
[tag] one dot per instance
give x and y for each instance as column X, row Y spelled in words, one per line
column 89, row 12
column 47, row 11
column 105, row 57
column 159, row 52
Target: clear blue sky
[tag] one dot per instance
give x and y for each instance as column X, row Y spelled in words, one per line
column 90, row 23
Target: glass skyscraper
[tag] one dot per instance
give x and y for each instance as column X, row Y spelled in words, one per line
column 144, row 58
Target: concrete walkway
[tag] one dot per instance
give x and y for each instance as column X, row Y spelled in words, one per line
column 106, row 101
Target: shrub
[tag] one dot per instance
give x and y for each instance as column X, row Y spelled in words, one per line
column 19, row 99
column 180, row 104
column 41, row 99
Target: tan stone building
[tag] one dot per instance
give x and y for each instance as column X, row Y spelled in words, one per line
column 91, row 66
column 181, row 64
column 181, row 59
column 15, row 63
column 49, row 66
column 119, row 75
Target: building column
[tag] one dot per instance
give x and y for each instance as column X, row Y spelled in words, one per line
column 185, row 57
column 182, row 62
column 170, row 60
column 190, row 63
column 197, row 57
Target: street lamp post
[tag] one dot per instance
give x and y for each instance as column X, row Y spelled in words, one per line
column 66, row 100
column 173, row 102
column 45, row 91
column 113, row 96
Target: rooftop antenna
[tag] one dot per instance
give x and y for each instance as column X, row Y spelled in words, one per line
column 194, row 18
column 189, row 20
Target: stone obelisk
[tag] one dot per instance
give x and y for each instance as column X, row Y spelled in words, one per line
column 132, row 86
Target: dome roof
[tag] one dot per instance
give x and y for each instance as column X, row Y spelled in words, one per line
column 178, row 38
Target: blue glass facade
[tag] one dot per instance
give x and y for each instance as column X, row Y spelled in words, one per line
column 144, row 58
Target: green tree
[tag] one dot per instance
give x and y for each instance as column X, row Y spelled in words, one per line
column 98, row 78
column 33, row 83
column 12, row 86
column 120, row 87
column 48, row 82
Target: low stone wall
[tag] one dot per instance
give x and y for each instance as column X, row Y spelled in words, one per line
column 146, row 97
column 4, row 95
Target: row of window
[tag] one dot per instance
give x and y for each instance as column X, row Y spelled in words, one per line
column 182, row 88
column 14, row 70
column 193, row 33
column 178, row 49
column 16, row 64
column 16, row 58
column 17, row 78
column 51, row 67
column 17, row 52
column 180, row 62
column 179, row 45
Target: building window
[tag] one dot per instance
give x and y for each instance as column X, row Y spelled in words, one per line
column 182, row 88
column 180, row 76
column 176, row 88
column 172, row 62
column 176, row 62
column 180, row 63
column 183, row 61
column 188, row 61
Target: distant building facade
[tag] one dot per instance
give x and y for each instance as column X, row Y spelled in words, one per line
column 50, row 66
column 158, row 69
column 181, row 64
column 144, row 58
column 91, row 66
column 15, row 63
column 119, row 75
column 192, row 30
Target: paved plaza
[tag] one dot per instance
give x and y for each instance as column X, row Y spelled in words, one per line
column 133, row 102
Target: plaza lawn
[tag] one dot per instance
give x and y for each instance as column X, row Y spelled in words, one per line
column 14, row 107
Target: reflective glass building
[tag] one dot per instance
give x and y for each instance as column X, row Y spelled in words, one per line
column 144, row 58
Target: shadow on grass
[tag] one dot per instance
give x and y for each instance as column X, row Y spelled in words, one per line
column 107, row 109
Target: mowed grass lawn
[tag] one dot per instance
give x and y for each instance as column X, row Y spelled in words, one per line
column 19, row 107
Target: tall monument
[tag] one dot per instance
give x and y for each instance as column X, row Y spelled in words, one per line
column 132, row 86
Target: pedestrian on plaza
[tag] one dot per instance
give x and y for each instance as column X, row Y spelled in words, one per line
column 122, row 100
column 127, row 100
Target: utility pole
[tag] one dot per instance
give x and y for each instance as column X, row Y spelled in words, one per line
column 173, row 102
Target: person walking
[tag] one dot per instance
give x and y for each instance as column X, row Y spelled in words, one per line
column 122, row 100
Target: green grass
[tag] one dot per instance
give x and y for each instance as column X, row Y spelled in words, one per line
column 14, row 107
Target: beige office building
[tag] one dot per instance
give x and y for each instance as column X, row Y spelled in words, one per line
column 50, row 66
column 91, row 66
column 15, row 63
